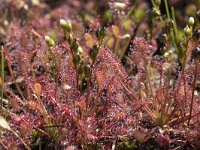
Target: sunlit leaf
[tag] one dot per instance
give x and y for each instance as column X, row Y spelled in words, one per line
column 89, row 40
column 35, row 2
column 115, row 30
column 38, row 89
column 4, row 124
column 140, row 136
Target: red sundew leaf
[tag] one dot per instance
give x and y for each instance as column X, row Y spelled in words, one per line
column 163, row 140
column 105, row 56
column 107, row 67
column 193, row 138
column 66, row 112
column 7, row 56
column 36, row 34
column 100, row 79
column 35, row 106
column 91, row 137
column 15, row 104
column 25, row 128
column 141, row 51
column 119, row 116
column 71, row 148
column 82, row 104
column 12, row 145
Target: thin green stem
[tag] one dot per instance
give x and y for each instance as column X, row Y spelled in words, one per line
column 2, row 77
column 153, row 3
column 174, row 34
column 174, row 20
column 160, row 17
column 167, row 10
column 129, row 12
column 157, row 7
column 174, row 42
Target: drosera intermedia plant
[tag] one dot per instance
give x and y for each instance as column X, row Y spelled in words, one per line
column 157, row 82
column 72, row 91
column 75, row 121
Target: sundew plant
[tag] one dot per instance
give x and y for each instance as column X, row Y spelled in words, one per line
column 100, row 75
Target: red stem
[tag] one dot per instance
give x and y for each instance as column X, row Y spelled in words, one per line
column 193, row 89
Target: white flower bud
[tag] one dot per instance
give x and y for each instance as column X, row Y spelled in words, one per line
column 66, row 26
column 166, row 54
column 191, row 21
column 170, row 52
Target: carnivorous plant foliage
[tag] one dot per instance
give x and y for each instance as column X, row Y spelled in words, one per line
column 99, row 74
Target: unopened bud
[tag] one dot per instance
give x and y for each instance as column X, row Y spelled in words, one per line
column 164, row 48
column 69, row 38
column 80, row 51
column 191, row 21
column 76, row 59
column 100, row 34
column 166, row 55
column 156, row 11
column 74, row 46
column 93, row 52
column 170, row 52
column 82, row 71
column 66, row 26
column 49, row 41
column 157, row 2
column 164, row 38
column 119, row 5
column 187, row 30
